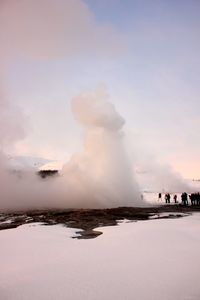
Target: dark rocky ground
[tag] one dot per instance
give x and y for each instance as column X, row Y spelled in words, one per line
column 88, row 219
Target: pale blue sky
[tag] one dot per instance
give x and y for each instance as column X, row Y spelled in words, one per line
column 154, row 82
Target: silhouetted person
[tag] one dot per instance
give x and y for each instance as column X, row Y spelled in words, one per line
column 167, row 198
column 184, row 198
column 175, row 199
column 192, row 199
column 159, row 197
column 198, row 198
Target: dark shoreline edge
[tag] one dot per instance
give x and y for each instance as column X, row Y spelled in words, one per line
column 88, row 219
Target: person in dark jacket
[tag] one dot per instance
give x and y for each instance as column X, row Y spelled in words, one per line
column 167, row 198
column 159, row 197
column 184, row 198
column 175, row 199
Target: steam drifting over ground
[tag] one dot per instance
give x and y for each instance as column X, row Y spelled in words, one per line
column 100, row 176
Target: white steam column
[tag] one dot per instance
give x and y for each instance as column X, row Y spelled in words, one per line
column 102, row 174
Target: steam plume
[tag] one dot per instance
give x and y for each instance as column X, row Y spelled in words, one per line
column 100, row 176
column 103, row 171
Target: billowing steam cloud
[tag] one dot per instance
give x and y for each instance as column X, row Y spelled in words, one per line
column 101, row 176
column 157, row 177
column 103, row 171
column 93, row 110
column 51, row 29
column 11, row 123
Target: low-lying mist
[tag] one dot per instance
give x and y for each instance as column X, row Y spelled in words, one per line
column 156, row 177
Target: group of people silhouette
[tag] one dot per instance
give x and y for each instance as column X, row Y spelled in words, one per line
column 194, row 198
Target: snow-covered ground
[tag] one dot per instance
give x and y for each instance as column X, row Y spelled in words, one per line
column 146, row 260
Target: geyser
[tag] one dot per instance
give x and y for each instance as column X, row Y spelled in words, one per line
column 100, row 176
column 102, row 173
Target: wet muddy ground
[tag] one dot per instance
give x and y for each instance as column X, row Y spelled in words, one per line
column 88, row 219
